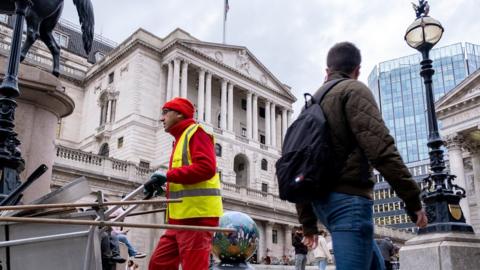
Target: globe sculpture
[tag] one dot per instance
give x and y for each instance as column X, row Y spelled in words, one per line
column 234, row 249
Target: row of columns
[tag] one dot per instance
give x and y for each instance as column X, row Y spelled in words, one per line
column 266, row 241
column 108, row 105
column 270, row 120
column 177, row 87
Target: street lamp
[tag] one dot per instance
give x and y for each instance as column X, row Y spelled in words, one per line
column 440, row 195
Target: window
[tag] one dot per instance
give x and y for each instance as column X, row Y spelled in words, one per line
column 3, row 18
column 261, row 112
column 262, row 139
column 265, row 187
column 111, row 77
column 120, row 142
column 274, row 236
column 61, row 39
column 104, row 150
column 144, row 164
column 264, row 165
column 218, row 150
column 99, row 56
column 244, row 132
column 244, row 104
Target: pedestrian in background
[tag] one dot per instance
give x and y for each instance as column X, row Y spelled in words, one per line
column 300, row 250
column 320, row 252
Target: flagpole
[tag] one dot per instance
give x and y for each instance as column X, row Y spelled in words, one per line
column 224, row 19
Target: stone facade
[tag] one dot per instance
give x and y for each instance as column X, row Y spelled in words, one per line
column 459, row 112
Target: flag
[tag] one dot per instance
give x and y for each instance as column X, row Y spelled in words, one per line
column 227, row 7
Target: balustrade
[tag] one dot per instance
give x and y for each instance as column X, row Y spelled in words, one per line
column 111, row 167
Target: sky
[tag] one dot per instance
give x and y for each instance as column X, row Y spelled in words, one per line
column 290, row 37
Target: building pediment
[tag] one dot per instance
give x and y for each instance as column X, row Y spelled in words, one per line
column 464, row 95
column 241, row 60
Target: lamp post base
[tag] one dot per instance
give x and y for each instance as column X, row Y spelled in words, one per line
column 444, row 214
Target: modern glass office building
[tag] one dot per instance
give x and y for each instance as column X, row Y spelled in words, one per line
column 400, row 93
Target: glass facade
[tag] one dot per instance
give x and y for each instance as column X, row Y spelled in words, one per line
column 399, row 91
column 400, row 94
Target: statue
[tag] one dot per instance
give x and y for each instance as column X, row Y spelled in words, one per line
column 42, row 16
column 422, row 9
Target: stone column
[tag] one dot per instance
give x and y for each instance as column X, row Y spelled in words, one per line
column 169, row 81
column 261, row 241
column 268, row 238
column 113, row 110
column 255, row 117
column 249, row 115
column 268, row 126
column 287, row 245
column 176, row 78
column 201, row 94
column 454, row 145
column 273, row 123
column 230, row 107
column 290, row 113
column 208, row 99
column 183, row 92
column 284, row 123
column 474, row 150
column 223, row 104
column 107, row 111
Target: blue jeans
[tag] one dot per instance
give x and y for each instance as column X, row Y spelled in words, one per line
column 123, row 238
column 300, row 261
column 322, row 263
column 349, row 220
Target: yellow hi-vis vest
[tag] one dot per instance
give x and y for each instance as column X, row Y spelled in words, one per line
column 198, row 200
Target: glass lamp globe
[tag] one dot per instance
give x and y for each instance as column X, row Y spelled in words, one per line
column 424, row 33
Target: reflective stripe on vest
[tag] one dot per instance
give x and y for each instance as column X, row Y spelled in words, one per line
column 198, row 200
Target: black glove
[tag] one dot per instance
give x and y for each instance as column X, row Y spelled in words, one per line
column 156, row 185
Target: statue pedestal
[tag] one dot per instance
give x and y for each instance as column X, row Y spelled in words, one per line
column 41, row 104
column 442, row 251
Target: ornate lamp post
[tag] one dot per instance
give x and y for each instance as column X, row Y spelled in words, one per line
column 11, row 161
column 440, row 195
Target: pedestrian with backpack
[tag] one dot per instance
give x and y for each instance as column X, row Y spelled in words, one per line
column 330, row 176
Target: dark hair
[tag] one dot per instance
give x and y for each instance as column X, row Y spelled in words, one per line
column 343, row 57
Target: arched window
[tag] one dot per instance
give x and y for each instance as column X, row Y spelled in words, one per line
column 104, row 150
column 218, row 150
column 264, row 165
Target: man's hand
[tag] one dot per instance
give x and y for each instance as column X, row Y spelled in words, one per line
column 155, row 186
column 422, row 220
column 310, row 241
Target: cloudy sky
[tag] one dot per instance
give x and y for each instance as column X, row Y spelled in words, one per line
column 290, row 37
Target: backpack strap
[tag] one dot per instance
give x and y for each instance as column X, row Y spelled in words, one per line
column 320, row 94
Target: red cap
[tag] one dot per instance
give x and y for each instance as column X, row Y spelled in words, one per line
column 181, row 105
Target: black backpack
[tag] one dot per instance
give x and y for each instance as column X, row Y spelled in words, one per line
column 307, row 161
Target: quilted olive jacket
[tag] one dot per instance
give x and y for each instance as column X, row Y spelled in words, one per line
column 361, row 142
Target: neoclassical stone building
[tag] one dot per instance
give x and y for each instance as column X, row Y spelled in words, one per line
column 236, row 97
column 459, row 111
column 115, row 139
